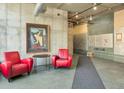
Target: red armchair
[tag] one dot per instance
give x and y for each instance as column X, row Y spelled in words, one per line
column 13, row 65
column 62, row 60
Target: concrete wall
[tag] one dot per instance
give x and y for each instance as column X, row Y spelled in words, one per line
column 103, row 24
column 13, row 19
column 119, row 28
column 70, row 40
column 109, row 23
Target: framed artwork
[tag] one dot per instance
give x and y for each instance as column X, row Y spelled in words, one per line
column 37, row 38
column 118, row 36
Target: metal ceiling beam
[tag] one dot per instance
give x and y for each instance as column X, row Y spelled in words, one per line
column 101, row 12
column 85, row 10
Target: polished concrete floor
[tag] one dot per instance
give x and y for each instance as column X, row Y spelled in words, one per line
column 111, row 73
column 43, row 79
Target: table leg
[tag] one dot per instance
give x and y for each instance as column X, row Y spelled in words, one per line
column 49, row 63
column 35, row 64
column 46, row 63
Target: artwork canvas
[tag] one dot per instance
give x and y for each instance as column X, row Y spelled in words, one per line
column 104, row 41
column 37, row 38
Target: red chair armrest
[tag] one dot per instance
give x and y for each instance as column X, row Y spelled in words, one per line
column 70, row 60
column 6, row 68
column 54, row 58
column 69, row 57
column 29, row 62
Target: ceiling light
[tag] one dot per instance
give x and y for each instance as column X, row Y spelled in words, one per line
column 76, row 15
column 94, row 8
column 91, row 18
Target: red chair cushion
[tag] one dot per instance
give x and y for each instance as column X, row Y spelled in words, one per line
column 63, row 53
column 12, row 56
column 61, row 62
column 19, row 69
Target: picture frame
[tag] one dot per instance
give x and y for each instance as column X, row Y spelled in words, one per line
column 37, row 38
column 118, row 36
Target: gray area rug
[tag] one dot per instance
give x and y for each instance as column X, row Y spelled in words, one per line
column 86, row 76
column 61, row 78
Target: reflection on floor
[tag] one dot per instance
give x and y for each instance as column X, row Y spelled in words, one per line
column 111, row 73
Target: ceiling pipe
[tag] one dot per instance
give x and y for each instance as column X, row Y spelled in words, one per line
column 61, row 5
column 38, row 8
column 101, row 12
column 85, row 10
column 86, row 17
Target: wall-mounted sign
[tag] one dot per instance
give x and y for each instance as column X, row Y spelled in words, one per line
column 118, row 36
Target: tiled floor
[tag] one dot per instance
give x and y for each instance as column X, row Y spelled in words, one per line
column 111, row 73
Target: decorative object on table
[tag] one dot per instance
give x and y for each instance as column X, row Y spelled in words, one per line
column 63, row 59
column 14, row 66
column 37, row 39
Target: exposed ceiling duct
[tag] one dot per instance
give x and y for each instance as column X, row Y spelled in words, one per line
column 39, row 8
